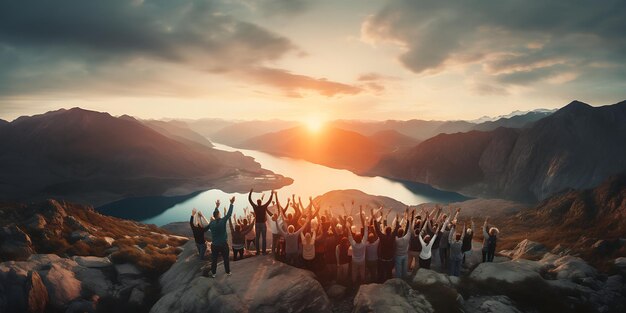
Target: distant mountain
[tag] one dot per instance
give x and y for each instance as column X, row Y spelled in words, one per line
column 393, row 140
column 94, row 157
column 576, row 147
column 512, row 114
column 177, row 130
column 330, row 146
column 208, row 126
column 237, row 133
column 418, row 129
column 516, row 121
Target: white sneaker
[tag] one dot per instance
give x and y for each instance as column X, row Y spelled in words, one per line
column 229, row 274
column 212, row 275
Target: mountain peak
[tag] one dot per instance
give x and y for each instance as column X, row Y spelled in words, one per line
column 576, row 105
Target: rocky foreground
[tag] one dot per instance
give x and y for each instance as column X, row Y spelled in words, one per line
column 65, row 258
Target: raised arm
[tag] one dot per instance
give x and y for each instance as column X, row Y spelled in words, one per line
column 280, row 229
column 230, row 208
column 485, row 233
column 270, row 199
column 250, row 198
column 451, row 234
column 230, row 225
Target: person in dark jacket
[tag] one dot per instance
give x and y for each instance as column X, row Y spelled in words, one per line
column 198, row 230
column 260, row 212
column 219, row 246
column 387, row 248
column 467, row 241
column 238, row 234
column 490, row 238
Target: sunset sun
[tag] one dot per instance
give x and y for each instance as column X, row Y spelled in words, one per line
column 314, row 124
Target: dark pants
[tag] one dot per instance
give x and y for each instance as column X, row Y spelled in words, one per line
column 387, row 270
column 489, row 253
column 201, row 250
column 237, row 251
column 216, row 250
column 425, row 263
column 455, row 267
column 443, row 257
column 261, row 233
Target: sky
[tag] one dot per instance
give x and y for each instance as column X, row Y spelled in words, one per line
column 301, row 59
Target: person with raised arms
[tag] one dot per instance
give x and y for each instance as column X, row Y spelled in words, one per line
column 260, row 212
column 219, row 246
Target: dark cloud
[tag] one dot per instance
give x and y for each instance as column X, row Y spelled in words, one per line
column 517, row 42
column 73, row 44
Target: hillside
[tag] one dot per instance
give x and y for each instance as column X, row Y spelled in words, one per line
column 392, row 140
column 516, row 121
column 178, row 131
column 576, row 147
column 237, row 133
column 330, row 146
column 96, row 158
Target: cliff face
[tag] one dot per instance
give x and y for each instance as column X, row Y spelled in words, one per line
column 576, row 147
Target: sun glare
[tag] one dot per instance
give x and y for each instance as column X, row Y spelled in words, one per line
column 314, row 124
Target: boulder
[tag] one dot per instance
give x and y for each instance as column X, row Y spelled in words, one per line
column 22, row 292
column 127, row 270
column 258, row 284
column 526, row 249
column 36, row 223
column 573, row 268
column 429, row 277
column 490, row 304
column 512, row 272
column 81, row 235
column 620, row 263
column 336, row 291
column 14, row 243
column 394, row 295
column 92, row 261
column 61, row 284
column 75, row 224
column 561, row 250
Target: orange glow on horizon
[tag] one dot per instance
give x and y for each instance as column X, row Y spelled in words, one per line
column 314, row 124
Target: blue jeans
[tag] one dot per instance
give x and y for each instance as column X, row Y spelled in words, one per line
column 401, row 265
column 201, row 250
column 261, row 232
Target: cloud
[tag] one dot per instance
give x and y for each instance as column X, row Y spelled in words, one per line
column 279, row 7
column 293, row 84
column 516, row 42
column 58, row 45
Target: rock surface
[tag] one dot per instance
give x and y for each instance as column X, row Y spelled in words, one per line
column 490, row 304
column 394, row 295
column 14, row 243
column 511, row 272
column 526, row 249
column 257, row 284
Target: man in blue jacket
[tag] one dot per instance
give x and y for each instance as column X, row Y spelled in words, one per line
column 220, row 240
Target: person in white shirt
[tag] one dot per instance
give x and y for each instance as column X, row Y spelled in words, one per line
column 358, row 251
column 427, row 244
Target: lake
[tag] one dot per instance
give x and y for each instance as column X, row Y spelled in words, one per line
column 310, row 179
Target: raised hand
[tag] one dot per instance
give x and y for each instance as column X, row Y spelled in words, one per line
column 193, row 212
column 232, row 200
column 217, row 203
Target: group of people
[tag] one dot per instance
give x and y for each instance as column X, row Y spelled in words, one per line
column 347, row 248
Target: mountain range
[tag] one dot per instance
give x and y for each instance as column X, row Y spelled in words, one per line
column 94, row 157
column 578, row 146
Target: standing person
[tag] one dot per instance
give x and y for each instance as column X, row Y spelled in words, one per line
column 274, row 227
column 467, row 241
column 444, row 244
column 402, row 246
column 358, row 251
column 490, row 238
column 308, row 249
column 427, row 244
column 291, row 242
column 387, row 242
column 198, row 231
column 219, row 246
column 238, row 234
column 343, row 260
column 330, row 257
column 260, row 210
column 371, row 257
column 456, row 253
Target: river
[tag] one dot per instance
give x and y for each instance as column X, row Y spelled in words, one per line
column 309, row 180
